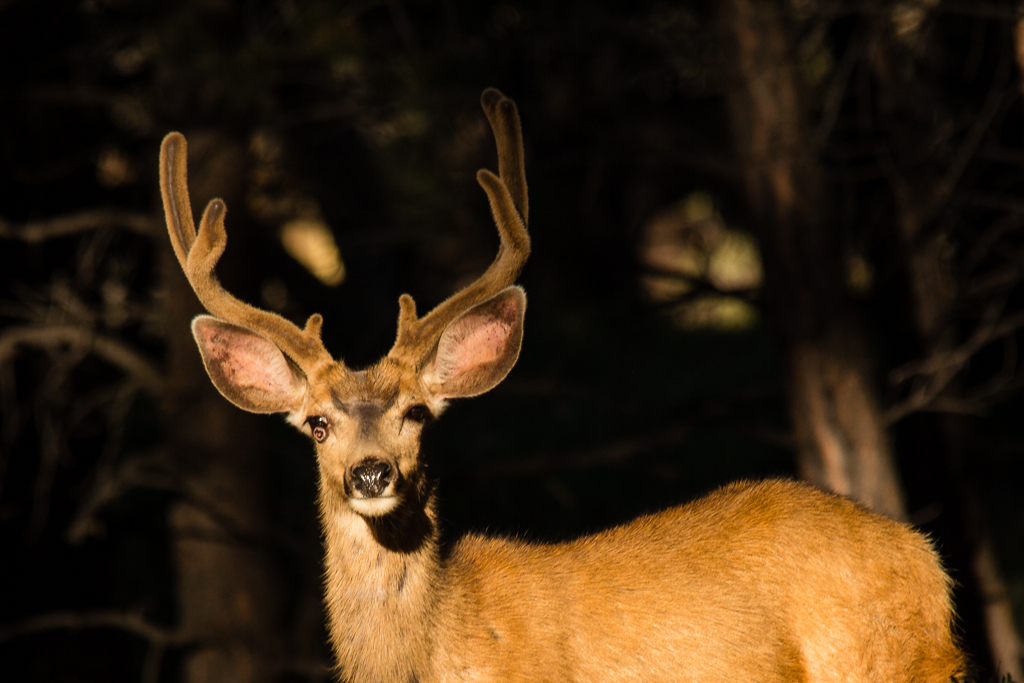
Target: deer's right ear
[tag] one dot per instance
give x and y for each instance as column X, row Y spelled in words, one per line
column 249, row 370
column 478, row 349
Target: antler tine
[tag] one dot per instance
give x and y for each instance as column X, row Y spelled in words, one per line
column 508, row 199
column 198, row 254
column 504, row 119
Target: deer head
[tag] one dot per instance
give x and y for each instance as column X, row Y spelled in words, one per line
column 366, row 424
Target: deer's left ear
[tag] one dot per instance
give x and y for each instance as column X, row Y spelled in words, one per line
column 478, row 349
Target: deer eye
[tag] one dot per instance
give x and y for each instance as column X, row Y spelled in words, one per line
column 319, row 426
column 418, row 413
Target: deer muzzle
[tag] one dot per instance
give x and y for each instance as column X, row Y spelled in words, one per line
column 371, row 486
column 372, row 479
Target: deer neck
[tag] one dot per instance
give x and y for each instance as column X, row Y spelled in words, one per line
column 380, row 579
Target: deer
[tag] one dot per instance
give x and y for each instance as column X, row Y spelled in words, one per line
column 766, row 581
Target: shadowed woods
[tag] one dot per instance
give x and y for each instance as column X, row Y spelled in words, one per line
column 768, row 238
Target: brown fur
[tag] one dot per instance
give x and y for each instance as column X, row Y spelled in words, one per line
column 772, row 581
column 769, row 581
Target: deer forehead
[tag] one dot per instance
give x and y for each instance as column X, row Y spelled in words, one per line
column 370, row 393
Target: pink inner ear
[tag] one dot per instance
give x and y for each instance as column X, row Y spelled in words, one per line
column 473, row 341
column 244, row 359
column 484, row 343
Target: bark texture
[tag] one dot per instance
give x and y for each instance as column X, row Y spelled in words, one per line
column 924, row 249
column 228, row 587
column 842, row 442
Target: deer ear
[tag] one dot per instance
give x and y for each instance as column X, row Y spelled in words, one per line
column 249, row 370
column 477, row 349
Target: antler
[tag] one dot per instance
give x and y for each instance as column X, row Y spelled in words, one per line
column 507, row 195
column 199, row 253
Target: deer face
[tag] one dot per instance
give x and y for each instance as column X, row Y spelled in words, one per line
column 367, row 426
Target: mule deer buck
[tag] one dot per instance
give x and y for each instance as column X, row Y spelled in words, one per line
column 769, row 581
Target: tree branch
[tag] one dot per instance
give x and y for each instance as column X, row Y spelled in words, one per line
column 75, row 223
column 937, row 371
column 111, row 350
column 131, row 622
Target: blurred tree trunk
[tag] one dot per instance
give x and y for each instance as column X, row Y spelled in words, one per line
column 229, row 590
column 842, row 442
column 925, row 253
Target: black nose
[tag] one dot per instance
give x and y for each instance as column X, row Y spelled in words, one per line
column 371, row 477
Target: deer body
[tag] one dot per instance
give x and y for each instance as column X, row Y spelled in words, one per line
column 771, row 581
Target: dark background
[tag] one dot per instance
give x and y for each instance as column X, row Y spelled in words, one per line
column 150, row 531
